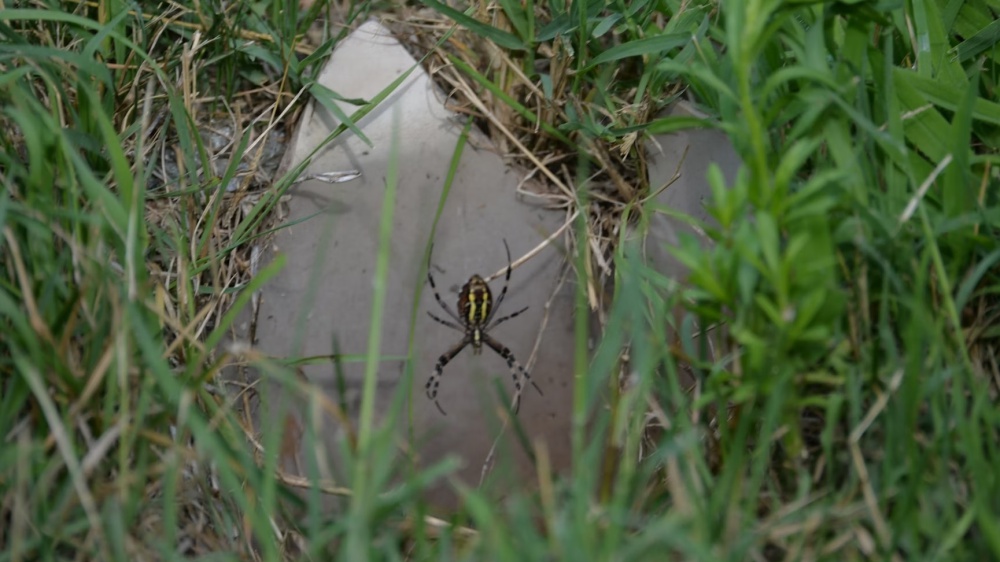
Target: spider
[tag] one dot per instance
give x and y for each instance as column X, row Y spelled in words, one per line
column 475, row 318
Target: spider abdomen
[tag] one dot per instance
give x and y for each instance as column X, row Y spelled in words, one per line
column 475, row 302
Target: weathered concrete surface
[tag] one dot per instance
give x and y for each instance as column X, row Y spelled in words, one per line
column 325, row 292
column 688, row 154
column 683, row 157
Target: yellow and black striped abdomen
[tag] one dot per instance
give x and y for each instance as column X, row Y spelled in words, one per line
column 474, row 305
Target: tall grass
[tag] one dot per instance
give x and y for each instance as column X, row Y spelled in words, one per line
column 122, row 227
column 842, row 329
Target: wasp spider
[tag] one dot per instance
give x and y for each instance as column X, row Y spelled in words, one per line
column 476, row 310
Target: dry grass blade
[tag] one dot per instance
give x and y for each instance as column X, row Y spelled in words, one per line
column 537, row 249
column 37, row 322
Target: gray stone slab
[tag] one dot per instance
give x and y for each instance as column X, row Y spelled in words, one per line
column 688, row 155
column 325, row 291
column 684, row 158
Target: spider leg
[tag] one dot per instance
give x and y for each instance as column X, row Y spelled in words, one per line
column 503, row 293
column 445, row 322
column 430, row 278
column 431, row 387
column 512, row 364
column 505, row 318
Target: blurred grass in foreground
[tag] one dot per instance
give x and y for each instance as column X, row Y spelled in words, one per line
column 848, row 372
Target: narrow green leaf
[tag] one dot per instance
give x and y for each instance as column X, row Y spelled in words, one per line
column 518, row 19
column 984, row 40
column 702, row 73
column 325, row 96
column 933, row 60
column 972, row 280
column 959, row 187
column 498, row 36
column 222, row 328
column 924, row 126
column 947, row 96
column 665, row 125
column 659, row 45
column 605, row 25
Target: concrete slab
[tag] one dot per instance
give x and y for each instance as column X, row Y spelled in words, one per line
column 325, row 292
column 688, row 154
column 683, row 158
